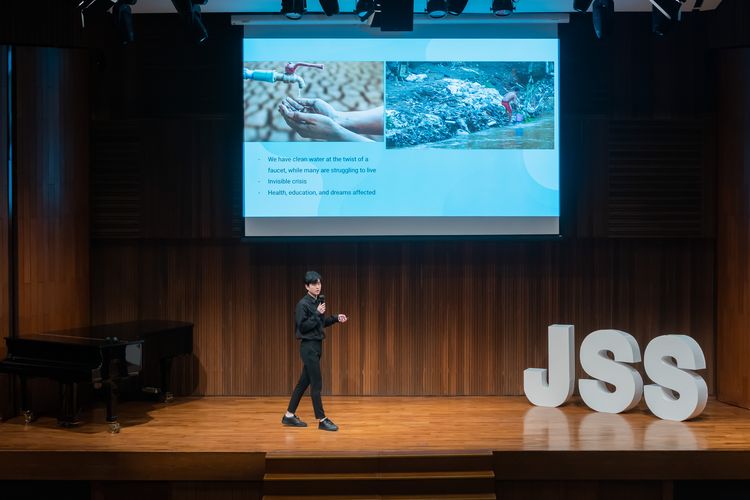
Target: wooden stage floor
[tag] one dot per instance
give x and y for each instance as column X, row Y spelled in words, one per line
column 229, row 439
column 381, row 425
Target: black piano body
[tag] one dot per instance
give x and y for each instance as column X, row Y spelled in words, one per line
column 163, row 340
column 71, row 360
column 73, row 356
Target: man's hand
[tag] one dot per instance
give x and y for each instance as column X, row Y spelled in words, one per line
column 311, row 126
column 342, row 318
column 317, row 126
column 322, row 308
column 315, row 106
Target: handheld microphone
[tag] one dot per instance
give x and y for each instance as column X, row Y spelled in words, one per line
column 321, row 299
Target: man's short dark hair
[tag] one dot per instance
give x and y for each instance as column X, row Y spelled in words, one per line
column 311, row 277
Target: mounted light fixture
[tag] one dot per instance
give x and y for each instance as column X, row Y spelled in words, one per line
column 190, row 12
column 456, row 7
column 503, row 7
column 437, row 8
column 330, row 7
column 665, row 14
column 121, row 11
column 84, row 5
column 669, row 8
column 200, row 33
column 603, row 17
column 364, row 9
column 123, row 17
column 581, row 5
column 293, row 9
column 393, row 15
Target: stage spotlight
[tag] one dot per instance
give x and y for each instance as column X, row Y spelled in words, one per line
column 200, row 33
column 669, row 8
column 90, row 9
column 394, row 15
column 455, row 7
column 293, row 9
column 603, row 17
column 502, row 7
column 190, row 12
column 662, row 23
column 330, row 7
column 364, row 9
column 123, row 16
column 581, row 5
column 437, row 8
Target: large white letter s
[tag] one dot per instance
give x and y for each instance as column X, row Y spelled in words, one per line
column 671, row 377
column 626, row 379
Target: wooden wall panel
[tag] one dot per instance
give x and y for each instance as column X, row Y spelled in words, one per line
column 4, row 220
column 445, row 318
column 51, row 161
column 4, row 228
column 733, row 238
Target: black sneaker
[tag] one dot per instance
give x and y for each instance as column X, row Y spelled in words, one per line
column 327, row 425
column 293, row 421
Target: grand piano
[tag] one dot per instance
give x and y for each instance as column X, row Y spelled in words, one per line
column 103, row 355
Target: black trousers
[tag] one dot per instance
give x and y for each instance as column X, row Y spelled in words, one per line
column 310, row 351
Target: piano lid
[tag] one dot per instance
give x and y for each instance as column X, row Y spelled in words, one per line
column 74, row 340
column 131, row 330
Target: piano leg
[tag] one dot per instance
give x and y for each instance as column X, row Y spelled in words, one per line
column 114, row 425
column 165, row 370
column 28, row 415
column 68, row 405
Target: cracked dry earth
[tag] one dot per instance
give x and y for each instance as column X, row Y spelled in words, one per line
column 347, row 86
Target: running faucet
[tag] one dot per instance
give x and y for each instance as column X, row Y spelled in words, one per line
column 271, row 76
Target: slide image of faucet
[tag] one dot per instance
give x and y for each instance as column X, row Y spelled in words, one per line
column 272, row 76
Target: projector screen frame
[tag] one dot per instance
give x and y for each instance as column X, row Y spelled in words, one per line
column 390, row 227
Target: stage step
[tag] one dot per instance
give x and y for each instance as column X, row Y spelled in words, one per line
column 379, row 476
column 468, row 496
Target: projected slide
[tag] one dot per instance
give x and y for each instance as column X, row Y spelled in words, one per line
column 400, row 137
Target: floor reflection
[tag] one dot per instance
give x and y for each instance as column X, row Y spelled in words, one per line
column 576, row 428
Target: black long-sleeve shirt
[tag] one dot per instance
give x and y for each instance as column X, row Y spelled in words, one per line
column 308, row 322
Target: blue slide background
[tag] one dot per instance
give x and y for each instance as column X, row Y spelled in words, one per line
column 407, row 182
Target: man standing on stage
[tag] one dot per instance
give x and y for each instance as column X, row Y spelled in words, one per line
column 309, row 321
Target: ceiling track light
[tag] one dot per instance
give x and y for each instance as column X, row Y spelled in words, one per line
column 293, row 9
column 665, row 15
column 437, row 8
column 669, row 8
column 91, row 7
column 603, row 17
column 364, row 9
column 200, row 33
column 660, row 25
column 581, row 5
column 456, row 7
column 503, row 7
column 330, row 7
column 190, row 12
column 123, row 17
column 393, row 15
